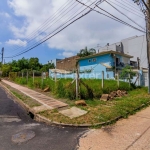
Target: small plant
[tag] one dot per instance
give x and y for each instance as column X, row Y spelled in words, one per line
column 127, row 73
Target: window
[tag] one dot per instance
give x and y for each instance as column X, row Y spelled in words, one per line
column 117, row 61
column 89, row 60
column 107, row 76
column 94, row 59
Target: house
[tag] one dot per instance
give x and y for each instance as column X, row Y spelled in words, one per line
column 68, row 64
column 110, row 62
column 135, row 46
column 54, row 61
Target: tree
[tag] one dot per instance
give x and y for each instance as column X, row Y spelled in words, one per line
column 34, row 63
column 126, row 71
column 14, row 66
column 86, row 52
column 48, row 66
column 23, row 64
column 5, row 70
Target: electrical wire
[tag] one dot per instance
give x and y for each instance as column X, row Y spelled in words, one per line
column 125, row 8
column 131, row 5
column 121, row 21
column 111, row 16
column 71, row 15
column 43, row 40
column 46, row 38
column 49, row 37
column 51, row 21
column 133, row 9
column 124, row 14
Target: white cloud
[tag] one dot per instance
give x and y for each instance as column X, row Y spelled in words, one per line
column 89, row 31
column 4, row 14
column 17, row 42
column 66, row 54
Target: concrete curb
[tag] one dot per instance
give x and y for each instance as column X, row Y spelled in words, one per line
column 40, row 118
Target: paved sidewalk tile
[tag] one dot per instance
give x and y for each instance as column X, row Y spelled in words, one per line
column 73, row 112
column 127, row 134
column 46, row 101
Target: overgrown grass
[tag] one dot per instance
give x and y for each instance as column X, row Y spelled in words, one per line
column 27, row 100
column 63, row 88
column 99, row 111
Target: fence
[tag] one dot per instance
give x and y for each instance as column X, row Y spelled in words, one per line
column 75, row 84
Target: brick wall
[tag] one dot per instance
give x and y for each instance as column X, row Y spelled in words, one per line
column 68, row 64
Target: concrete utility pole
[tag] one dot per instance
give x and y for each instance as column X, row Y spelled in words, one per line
column 2, row 54
column 138, row 63
column 148, row 41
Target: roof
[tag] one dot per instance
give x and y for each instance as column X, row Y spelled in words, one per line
column 106, row 65
column 68, row 58
column 106, row 52
column 60, row 71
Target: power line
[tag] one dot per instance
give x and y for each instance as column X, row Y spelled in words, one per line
column 124, row 14
column 129, row 10
column 58, row 20
column 131, row 4
column 43, row 40
column 121, row 21
column 52, row 20
column 142, row 6
column 113, row 17
column 50, row 36
column 126, row 6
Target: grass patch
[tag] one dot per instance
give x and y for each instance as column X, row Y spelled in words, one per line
column 64, row 88
column 99, row 111
column 27, row 100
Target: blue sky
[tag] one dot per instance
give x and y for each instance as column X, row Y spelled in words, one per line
column 19, row 18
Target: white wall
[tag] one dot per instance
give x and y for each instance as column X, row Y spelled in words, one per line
column 135, row 46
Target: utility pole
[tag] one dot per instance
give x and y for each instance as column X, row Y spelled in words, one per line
column 2, row 54
column 148, row 41
column 138, row 63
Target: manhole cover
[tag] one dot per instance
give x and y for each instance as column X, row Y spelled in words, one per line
column 23, row 136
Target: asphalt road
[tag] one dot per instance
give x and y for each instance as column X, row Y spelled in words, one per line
column 19, row 132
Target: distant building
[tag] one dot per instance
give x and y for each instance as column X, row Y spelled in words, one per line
column 107, row 61
column 135, row 46
column 68, row 64
column 54, row 61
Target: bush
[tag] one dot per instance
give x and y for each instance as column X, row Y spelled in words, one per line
column 12, row 76
column 63, row 88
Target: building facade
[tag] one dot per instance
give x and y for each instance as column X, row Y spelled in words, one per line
column 68, row 64
column 135, row 46
column 110, row 62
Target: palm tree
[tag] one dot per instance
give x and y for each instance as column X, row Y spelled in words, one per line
column 86, row 52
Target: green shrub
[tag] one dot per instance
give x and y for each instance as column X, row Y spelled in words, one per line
column 12, row 76
column 63, row 88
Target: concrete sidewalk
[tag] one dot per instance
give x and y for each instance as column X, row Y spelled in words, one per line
column 46, row 101
column 127, row 134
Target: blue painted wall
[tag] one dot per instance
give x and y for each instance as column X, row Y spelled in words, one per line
column 96, row 67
